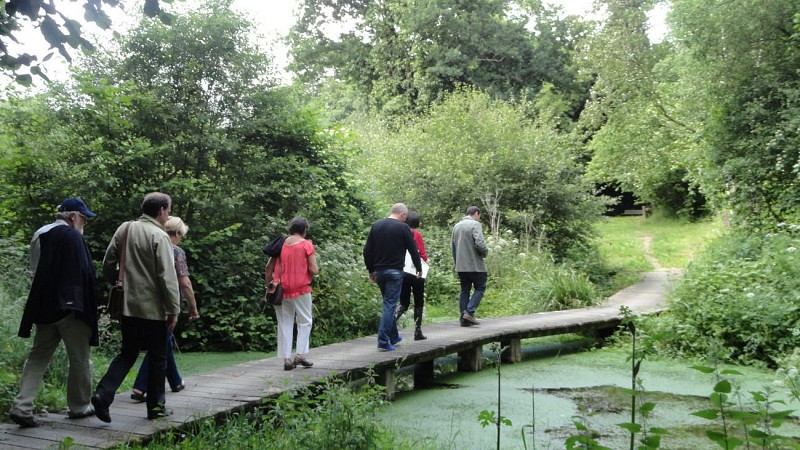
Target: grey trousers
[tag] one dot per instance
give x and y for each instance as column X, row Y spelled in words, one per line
column 75, row 333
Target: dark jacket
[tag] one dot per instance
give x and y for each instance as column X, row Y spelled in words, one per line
column 386, row 246
column 64, row 282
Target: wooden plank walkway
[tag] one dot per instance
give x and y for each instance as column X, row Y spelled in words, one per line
column 243, row 386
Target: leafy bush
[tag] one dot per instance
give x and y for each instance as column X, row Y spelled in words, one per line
column 335, row 417
column 346, row 304
column 743, row 295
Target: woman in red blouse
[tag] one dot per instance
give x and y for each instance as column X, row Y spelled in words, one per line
column 413, row 283
column 293, row 269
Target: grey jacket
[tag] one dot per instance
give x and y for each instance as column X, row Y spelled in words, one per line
column 469, row 248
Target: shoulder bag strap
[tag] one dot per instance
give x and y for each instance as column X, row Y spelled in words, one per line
column 121, row 276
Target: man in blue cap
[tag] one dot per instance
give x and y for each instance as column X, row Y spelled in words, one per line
column 63, row 306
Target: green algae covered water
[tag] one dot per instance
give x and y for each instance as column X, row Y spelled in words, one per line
column 551, row 390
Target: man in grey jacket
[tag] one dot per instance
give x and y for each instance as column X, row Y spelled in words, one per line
column 152, row 302
column 469, row 249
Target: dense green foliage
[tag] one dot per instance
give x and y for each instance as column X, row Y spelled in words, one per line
column 330, row 417
column 739, row 301
column 471, row 150
column 196, row 118
column 404, row 56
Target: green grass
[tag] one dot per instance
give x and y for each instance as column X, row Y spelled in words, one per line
column 673, row 244
column 188, row 363
column 196, row 363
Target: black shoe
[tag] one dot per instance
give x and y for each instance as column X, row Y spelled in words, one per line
column 101, row 409
column 159, row 413
column 138, row 396
column 418, row 336
column 302, row 362
column 288, row 366
column 179, row 387
column 23, row 420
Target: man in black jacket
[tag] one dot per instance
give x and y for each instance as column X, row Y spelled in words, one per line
column 63, row 306
column 385, row 255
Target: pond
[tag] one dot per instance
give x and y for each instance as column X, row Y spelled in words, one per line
column 554, row 385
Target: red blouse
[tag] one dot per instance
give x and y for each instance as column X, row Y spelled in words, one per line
column 420, row 244
column 291, row 269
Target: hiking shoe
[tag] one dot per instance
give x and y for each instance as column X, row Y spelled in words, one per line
column 469, row 318
column 397, row 341
column 386, row 347
column 464, row 323
column 88, row 412
column 22, row 419
column 302, row 362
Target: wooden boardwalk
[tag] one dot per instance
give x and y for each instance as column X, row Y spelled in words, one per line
column 243, row 386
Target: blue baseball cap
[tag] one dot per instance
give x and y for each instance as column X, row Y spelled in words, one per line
column 75, row 204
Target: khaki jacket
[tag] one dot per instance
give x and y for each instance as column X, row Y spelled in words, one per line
column 151, row 284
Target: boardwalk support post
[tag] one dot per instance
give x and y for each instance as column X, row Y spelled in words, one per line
column 423, row 374
column 387, row 379
column 512, row 351
column 470, row 360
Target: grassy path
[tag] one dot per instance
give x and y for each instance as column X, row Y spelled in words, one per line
column 633, row 245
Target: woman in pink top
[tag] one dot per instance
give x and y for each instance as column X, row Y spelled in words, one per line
column 293, row 269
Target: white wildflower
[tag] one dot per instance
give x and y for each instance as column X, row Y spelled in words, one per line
column 791, row 249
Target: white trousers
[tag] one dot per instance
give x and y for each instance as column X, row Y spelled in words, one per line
column 292, row 309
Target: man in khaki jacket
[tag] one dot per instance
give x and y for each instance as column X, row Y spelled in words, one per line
column 152, row 303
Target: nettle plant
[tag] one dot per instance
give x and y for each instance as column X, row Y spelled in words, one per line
column 753, row 422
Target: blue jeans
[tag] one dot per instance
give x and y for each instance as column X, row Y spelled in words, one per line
column 468, row 280
column 390, row 281
column 173, row 376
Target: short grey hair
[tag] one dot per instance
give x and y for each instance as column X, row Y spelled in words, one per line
column 399, row 208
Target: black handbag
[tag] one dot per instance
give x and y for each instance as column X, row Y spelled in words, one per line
column 116, row 302
column 275, row 294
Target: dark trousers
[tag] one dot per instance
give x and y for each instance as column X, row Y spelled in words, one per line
column 138, row 334
column 469, row 303
column 412, row 284
column 173, row 376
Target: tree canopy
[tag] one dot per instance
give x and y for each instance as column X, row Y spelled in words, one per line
column 404, row 55
column 57, row 28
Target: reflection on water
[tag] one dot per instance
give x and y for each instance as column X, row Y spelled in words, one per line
column 553, row 388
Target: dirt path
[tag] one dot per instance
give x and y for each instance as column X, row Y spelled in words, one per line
column 647, row 243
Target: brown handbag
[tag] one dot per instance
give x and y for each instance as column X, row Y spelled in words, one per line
column 116, row 296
